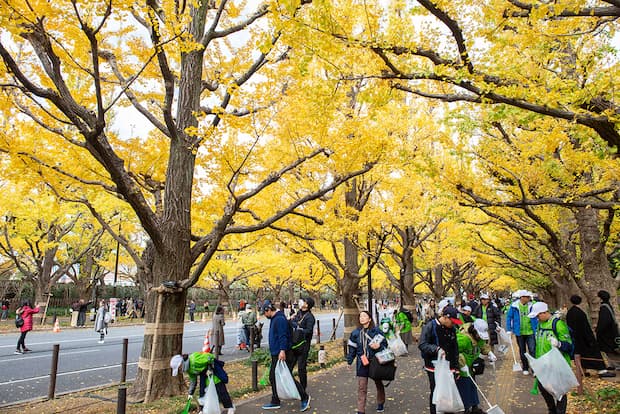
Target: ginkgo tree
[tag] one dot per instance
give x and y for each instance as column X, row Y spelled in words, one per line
column 210, row 80
column 531, row 62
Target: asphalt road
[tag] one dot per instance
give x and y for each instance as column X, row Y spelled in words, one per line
column 83, row 363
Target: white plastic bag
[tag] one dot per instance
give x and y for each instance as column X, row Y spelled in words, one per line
column 210, row 402
column 553, row 373
column 397, row 345
column 285, row 385
column 446, row 396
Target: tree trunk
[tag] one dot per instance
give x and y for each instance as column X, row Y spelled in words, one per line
column 597, row 275
column 350, row 289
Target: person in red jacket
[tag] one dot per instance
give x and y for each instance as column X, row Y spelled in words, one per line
column 26, row 311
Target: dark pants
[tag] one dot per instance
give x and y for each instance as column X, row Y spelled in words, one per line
column 300, row 357
column 554, row 407
column 81, row 318
column 21, row 342
column 191, row 316
column 272, row 378
column 220, row 387
column 522, row 341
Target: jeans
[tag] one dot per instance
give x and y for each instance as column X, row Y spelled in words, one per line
column 522, row 341
column 21, row 343
column 272, row 378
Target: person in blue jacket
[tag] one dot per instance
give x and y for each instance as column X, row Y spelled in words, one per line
column 523, row 327
column 280, row 343
column 362, row 348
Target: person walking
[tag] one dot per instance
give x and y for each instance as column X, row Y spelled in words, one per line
column 192, row 310
column 217, row 331
column 5, row 310
column 429, row 311
column 403, row 326
column 199, row 366
column 303, row 328
column 472, row 342
column 586, row 346
column 248, row 321
column 551, row 332
column 491, row 314
column 102, row 319
column 25, row 311
column 361, row 349
column 438, row 337
column 280, row 350
column 607, row 328
column 522, row 326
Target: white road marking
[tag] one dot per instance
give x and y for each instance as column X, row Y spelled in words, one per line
column 64, row 374
column 62, row 354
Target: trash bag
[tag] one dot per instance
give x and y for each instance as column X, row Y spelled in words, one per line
column 553, row 373
column 446, row 395
column 397, row 345
column 285, row 385
column 212, row 402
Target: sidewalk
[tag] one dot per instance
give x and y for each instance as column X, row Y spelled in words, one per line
column 335, row 391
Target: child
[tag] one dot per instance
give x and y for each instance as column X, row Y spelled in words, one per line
column 201, row 364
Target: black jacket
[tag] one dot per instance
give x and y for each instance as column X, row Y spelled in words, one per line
column 435, row 336
column 607, row 329
column 584, row 340
column 494, row 319
column 307, row 323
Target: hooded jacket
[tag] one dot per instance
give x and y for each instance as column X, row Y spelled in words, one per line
column 513, row 318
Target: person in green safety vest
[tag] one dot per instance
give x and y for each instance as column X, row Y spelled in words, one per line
column 403, row 325
column 551, row 332
column 204, row 366
column 465, row 315
column 524, row 328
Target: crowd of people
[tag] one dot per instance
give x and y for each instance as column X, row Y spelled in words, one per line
column 462, row 334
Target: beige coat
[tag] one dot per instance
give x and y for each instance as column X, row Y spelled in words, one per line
column 217, row 331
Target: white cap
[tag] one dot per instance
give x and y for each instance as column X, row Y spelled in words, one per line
column 248, row 306
column 522, row 292
column 466, row 308
column 538, row 307
column 442, row 304
column 175, row 363
column 482, row 327
column 484, row 296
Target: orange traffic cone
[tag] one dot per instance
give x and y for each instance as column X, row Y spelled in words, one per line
column 206, row 345
column 56, row 327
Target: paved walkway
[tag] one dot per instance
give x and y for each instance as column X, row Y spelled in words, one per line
column 335, row 391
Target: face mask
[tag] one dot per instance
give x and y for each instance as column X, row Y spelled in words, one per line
column 301, row 303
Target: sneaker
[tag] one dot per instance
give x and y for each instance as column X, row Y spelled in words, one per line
column 526, row 372
column 380, row 408
column 305, row 404
column 27, row 350
column 100, row 342
column 18, row 352
column 231, row 410
column 607, row 374
column 271, row 406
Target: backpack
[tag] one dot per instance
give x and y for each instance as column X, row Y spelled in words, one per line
column 298, row 338
column 408, row 314
column 569, row 350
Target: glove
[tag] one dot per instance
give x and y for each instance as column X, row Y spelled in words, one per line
column 465, row 369
column 508, row 333
column 554, row 342
column 492, row 357
column 189, row 396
